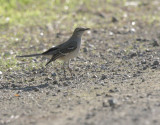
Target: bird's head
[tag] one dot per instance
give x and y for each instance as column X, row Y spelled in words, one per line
column 79, row 31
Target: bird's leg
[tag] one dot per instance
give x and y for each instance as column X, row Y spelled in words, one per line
column 63, row 67
column 70, row 69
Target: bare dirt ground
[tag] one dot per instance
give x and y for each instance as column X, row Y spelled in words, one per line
column 116, row 81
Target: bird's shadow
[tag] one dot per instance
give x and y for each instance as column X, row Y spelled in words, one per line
column 27, row 88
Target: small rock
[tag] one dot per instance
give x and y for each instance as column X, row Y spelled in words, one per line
column 54, row 94
column 58, row 106
column 58, row 90
column 105, row 104
column 47, row 93
column 113, row 90
column 70, row 118
column 111, row 33
column 94, row 76
column 143, row 61
column 148, row 50
column 96, row 88
column 155, row 43
column 66, row 84
column 107, row 95
column 19, row 91
column 135, row 75
column 65, row 94
column 154, row 67
column 114, row 19
column 142, row 40
column 90, row 115
column 145, row 67
column 132, row 30
column 14, row 86
column 103, row 67
column 77, row 69
column 53, row 74
column 98, row 94
column 58, row 35
column 133, row 54
column 101, row 14
column 85, row 50
column 143, row 80
column 55, row 82
column 94, row 31
column 47, row 79
column 102, row 83
column 44, row 74
column 31, row 80
column 156, row 62
column 112, row 102
column 103, row 77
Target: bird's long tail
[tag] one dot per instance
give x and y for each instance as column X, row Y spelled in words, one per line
column 30, row 55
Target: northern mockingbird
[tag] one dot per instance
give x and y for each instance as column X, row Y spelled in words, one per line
column 65, row 51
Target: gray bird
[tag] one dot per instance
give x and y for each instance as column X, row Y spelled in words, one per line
column 65, row 51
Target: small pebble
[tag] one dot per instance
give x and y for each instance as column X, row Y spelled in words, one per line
column 114, row 19
column 98, row 94
column 143, row 61
column 155, row 43
column 133, row 54
column 47, row 79
column 94, row 76
column 105, row 104
column 112, row 102
column 103, row 77
column 156, row 62
column 55, row 82
column 53, row 74
column 85, row 50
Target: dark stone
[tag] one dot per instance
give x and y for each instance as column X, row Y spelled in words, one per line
column 94, row 76
column 112, row 102
column 155, row 43
column 103, row 77
column 114, row 19
column 145, row 67
column 55, row 82
column 14, row 86
column 98, row 94
column 65, row 84
column 156, row 63
column 142, row 40
column 85, row 50
column 53, row 74
column 133, row 54
column 143, row 61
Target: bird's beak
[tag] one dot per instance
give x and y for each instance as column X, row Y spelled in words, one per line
column 86, row 29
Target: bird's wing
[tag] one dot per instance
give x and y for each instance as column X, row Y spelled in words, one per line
column 69, row 47
column 62, row 50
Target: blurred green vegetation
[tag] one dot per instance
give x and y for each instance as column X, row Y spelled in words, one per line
column 32, row 12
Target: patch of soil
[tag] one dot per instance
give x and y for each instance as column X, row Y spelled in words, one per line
column 116, row 81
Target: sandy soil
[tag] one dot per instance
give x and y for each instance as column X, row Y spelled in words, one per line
column 116, row 82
